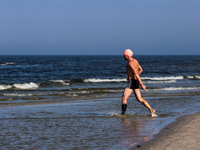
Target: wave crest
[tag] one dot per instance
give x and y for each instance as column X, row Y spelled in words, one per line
column 64, row 82
column 193, row 77
column 166, row 81
column 5, row 87
column 7, row 63
column 24, row 86
column 163, row 78
column 105, row 80
column 174, row 89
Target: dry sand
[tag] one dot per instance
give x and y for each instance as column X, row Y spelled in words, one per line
column 184, row 134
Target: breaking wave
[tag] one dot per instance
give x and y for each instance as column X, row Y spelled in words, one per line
column 163, row 78
column 70, row 82
column 193, row 77
column 23, row 86
column 105, row 80
column 30, row 85
column 171, row 79
column 7, row 63
column 64, row 82
column 167, row 81
column 5, row 87
column 174, row 89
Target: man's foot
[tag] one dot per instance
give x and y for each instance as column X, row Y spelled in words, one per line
column 153, row 114
column 123, row 112
column 124, row 106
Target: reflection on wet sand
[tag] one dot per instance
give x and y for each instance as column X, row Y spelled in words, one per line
column 136, row 131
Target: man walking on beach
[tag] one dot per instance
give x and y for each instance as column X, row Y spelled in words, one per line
column 133, row 71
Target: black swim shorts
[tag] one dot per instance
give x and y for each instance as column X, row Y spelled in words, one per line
column 133, row 84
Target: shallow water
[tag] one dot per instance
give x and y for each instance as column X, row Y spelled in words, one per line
column 91, row 124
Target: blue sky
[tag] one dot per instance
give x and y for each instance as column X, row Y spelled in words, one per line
column 99, row 27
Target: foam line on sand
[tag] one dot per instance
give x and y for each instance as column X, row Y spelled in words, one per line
column 183, row 134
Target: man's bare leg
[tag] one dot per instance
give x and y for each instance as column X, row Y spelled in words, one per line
column 125, row 96
column 144, row 102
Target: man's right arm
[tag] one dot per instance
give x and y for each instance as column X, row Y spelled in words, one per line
column 140, row 70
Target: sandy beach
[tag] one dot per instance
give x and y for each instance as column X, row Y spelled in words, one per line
column 184, row 134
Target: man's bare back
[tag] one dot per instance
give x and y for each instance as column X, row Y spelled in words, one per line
column 130, row 73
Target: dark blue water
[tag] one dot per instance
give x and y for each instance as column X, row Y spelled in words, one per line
column 74, row 102
column 41, row 69
column 48, row 75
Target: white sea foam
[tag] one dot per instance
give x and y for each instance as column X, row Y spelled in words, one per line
column 60, row 81
column 193, row 77
column 83, row 92
column 5, row 87
column 163, row 78
column 190, row 77
column 113, row 113
column 174, row 89
column 105, row 80
column 24, row 86
column 7, row 63
column 71, row 94
column 171, row 79
column 112, row 91
column 166, row 81
column 16, row 94
column 31, row 94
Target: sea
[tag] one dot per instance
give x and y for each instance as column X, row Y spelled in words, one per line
column 74, row 102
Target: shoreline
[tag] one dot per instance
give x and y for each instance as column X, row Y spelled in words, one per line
column 171, row 129
column 157, row 139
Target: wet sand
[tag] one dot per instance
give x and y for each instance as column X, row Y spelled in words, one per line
column 184, row 134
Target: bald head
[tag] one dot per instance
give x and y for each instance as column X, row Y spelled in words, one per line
column 128, row 52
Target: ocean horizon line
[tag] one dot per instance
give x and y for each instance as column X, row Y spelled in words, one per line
column 98, row 55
